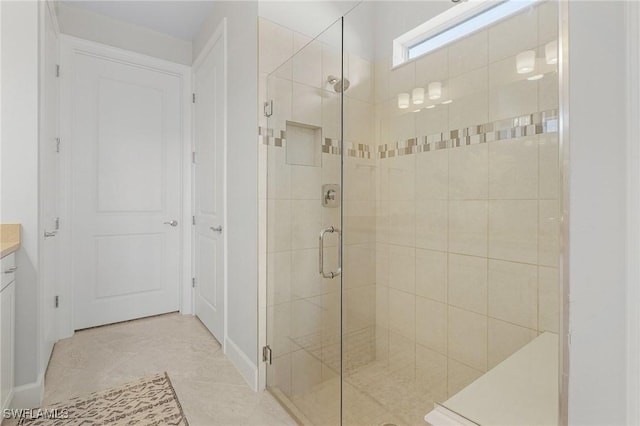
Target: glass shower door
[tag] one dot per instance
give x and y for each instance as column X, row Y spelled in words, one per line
column 304, row 213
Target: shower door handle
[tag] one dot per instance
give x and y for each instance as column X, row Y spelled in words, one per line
column 331, row 274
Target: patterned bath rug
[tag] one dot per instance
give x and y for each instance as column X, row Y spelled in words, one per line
column 150, row 401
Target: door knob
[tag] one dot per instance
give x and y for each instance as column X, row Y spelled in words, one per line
column 172, row 223
column 218, row 229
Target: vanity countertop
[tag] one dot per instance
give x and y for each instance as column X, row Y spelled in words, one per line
column 9, row 238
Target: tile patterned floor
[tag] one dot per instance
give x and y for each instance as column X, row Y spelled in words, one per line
column 208, row 386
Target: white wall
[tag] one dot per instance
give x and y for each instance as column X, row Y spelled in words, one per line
column 597, row 103
column 19, row 170
column 102, row 29
column 242, row 177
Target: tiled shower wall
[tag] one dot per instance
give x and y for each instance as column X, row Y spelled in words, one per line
column 303, row 310
column 467, row 236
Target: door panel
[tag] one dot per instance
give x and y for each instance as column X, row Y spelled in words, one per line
column 209, row 109
column 126, row 183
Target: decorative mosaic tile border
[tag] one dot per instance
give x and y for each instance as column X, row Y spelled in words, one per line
column 526, row 125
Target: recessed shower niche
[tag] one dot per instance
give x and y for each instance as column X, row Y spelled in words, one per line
column 304, row 144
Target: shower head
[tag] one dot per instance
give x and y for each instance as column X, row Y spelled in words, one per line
column 338, row 85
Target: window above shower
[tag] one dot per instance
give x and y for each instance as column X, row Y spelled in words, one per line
column 460, row 21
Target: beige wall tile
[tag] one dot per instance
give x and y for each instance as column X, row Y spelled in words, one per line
column 361, row 79
column 466, row 84
column 332, row 64
column 467, row 338
column 382, row 264
column 431, row 324
column 548, row 92
column 431, row 274
column 468, row 227
column 401, row 177
column 305, row 280
column 278, row 174
column 276, row 46
column 459, row 376
column 402, row 125
column 306, row 105
column 358, row 121
column 548, row 234
column 306, row 323
column 331, row 111
column 359, row 221
column 307, row 62
column 513, row 169
column 547, row 22
column 432, row 121
column 278, row 277
column 432, row 175
column 381, row 79
column 402, row 79
column 279, row 328
column 431, row 224
column 513, row 230
column 432, row 67
column 468, row 283
column 402, row 313
column 402, row 356
column 469, row 53
column 549, row 299
column 279, row 225
column 549, row 177
column 513, row 100
column 505, row 339
column 513, row 292
column 402, row 223
column 281, row 373
column 305, row 224
column 360, row 308
column 431, row 373
column 306, row 182
column 402, row 266
column 382, row 306
column 469, row 172
column 470, row 110
column 358, row 265
column 513, row 35
column 280, row 91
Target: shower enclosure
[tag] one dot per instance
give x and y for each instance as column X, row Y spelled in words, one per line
column 412, row 214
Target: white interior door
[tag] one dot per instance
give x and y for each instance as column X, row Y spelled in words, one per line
column 209, row 133
column 126, row 190
column 49, row 181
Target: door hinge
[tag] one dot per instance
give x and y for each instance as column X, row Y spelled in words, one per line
column 268, row 108
column 266, row 354
column 193, row 98
column 193, row 157
column 56, row 301
column 193, row 220
column 193, row 282
column 57, row 144
column 57, row 70
column 57, row 223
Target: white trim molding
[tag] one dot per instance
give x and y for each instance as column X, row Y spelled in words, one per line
column 29, row 395
column 241, row 361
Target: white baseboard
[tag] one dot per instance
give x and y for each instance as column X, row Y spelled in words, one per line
column 29, row 395
column 241, row 361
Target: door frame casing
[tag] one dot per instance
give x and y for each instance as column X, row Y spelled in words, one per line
column 69, row 46
column 220, row 33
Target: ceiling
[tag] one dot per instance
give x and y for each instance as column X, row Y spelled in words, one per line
column 180, row 19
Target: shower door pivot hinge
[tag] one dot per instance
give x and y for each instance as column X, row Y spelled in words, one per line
column 57, row 70
column 58, row 145
column 193, row 220
column 268, row 108
column 193, row 282
column 266, row 354
column 56, row 301
column 193, row 99
column 193, row 157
